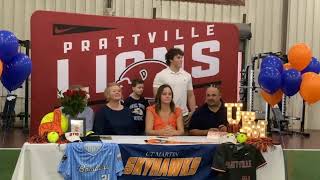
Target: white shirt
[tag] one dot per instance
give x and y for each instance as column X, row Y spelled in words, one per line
column 180, row 83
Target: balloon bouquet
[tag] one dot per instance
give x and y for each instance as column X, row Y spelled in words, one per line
column 15, row 67
column 301, row 74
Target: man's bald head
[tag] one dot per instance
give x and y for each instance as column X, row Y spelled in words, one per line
column 213, row 89
column 213, row 96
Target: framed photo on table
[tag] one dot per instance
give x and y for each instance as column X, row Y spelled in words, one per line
column 78, row 125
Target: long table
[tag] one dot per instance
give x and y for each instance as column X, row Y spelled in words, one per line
column 40, row 161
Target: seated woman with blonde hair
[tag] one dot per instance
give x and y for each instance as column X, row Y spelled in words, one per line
column 113, row 118
column 163, row 118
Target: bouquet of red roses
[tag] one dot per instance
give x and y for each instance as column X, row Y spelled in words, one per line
column 73, row 101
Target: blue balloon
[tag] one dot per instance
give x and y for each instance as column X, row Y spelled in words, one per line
column 270, row 79
column 291, row 81
column 16, row 71
column 314, row 66
column 8, row 46
column 272, row 61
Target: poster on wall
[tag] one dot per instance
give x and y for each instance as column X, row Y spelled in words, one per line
column 89, row 50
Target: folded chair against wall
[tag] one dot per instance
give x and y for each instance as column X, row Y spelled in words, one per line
column 280, row 123
column 8, row 114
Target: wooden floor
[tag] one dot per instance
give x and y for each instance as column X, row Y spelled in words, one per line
column 14, row 138
column 298, row 141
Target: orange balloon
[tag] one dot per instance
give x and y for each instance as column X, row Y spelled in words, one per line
column 310, row 87
column 299, row 56
column 308, row 75
column 287, row 66
column 1, row 67
column 272, row 99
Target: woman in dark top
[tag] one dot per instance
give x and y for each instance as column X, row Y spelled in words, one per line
column 114, row 118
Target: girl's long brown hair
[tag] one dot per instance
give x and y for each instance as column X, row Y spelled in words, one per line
column 158, row 98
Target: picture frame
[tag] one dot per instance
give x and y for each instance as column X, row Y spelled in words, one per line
column 78, row 125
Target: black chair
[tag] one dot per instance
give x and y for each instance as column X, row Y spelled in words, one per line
column 8, row 114
column 280, row 123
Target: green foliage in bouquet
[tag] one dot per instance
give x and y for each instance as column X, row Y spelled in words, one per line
column 73, row 101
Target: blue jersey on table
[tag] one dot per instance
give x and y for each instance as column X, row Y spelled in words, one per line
column 97, row 161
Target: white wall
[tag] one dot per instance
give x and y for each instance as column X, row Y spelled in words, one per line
column 265, row 17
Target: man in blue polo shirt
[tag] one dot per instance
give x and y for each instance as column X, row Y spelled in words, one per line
column 212, row 116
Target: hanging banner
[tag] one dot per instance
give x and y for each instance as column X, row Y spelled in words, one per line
column 184, row 162
column 91, row 51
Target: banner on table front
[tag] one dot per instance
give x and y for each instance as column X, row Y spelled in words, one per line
column 69, row 49
column 182, row 162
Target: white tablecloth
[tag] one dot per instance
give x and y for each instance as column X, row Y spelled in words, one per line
column 40, row 161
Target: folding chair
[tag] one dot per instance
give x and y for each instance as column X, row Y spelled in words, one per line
column 280, row 123
column 8, row 114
